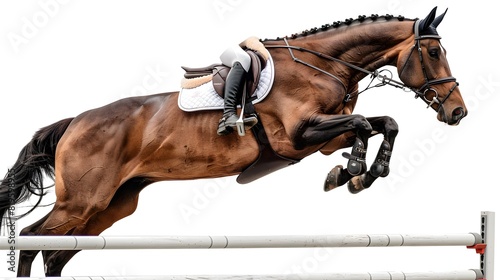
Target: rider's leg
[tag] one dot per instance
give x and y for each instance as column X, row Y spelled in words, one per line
column 239, row 61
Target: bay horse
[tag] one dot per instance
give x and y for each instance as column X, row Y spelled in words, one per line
column 101, row 159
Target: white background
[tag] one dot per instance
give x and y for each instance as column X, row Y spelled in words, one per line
column 58, row 59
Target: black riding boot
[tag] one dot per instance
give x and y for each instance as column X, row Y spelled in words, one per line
column 233, row 87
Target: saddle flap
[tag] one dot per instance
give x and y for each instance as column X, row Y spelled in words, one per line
column 219, row 78
column 254, row 73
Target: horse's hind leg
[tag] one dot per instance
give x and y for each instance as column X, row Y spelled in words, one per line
column 76, row 203
column 26, row 257
column 123, row 204
column 380, row 167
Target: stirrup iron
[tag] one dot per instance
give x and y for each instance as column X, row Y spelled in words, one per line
column 243, row 123
column 240, row 124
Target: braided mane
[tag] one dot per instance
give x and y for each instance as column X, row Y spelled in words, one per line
column 336, row 24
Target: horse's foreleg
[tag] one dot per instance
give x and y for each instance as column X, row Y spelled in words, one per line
column 380, row 167
column 389, row 128
column 356, row 166
column 323, row 128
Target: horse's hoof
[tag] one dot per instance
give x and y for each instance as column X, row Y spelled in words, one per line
column 355, row 185
column 332, row 180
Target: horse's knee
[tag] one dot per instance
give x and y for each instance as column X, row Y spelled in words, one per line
column 361, row 123
column 391, row 126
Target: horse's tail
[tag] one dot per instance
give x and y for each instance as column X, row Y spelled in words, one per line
column 25, row 178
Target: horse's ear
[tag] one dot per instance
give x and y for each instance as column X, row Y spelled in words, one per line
column 424, row 24
column 438, row 20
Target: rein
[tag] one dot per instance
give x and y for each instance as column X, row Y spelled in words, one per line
column 384, row 80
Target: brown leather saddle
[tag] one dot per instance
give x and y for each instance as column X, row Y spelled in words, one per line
column 219, row 73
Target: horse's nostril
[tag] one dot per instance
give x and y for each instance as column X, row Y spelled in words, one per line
column 458, row 112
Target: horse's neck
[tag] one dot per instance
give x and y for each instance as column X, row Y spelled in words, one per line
column 368, row 46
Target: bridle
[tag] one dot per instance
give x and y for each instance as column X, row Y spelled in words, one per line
column 427, row 87
column 383, row 79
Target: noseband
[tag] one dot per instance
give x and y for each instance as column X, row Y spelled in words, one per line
column 427, row 87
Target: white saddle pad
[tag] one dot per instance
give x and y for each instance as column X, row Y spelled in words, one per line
column 204, row 97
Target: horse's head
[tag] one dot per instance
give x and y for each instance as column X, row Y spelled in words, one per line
column 424, row 68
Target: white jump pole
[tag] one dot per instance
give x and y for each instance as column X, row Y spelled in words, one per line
column 483, row 243
column 452, row 275
column 235, row 242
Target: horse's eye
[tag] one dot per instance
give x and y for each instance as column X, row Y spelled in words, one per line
column 434, row 53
